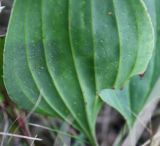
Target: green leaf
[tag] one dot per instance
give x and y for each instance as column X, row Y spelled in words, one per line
column 68, row 50
column 1, row 67
column 1, row 60
column 131, row 100
column 1, row 98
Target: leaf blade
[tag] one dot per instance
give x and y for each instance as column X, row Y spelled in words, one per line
column 64, row 55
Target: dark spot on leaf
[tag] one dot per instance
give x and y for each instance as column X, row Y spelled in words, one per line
column 141, row 75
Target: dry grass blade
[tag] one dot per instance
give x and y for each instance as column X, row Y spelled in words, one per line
column 20, row 136
column 61, row 139
column 6, row 121
column 146, row 143
column 156, row 138
column 144, row 117
column 155, row 141
column 25, row 120
column 56, row 131
column 138, row 128
column 32, row 143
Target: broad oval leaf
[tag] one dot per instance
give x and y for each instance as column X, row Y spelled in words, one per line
column 68, row 50
column 132, row 99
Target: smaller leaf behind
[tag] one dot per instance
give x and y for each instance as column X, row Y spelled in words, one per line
column 132, row 99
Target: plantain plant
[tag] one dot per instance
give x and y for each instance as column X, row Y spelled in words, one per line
column 74, row 53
